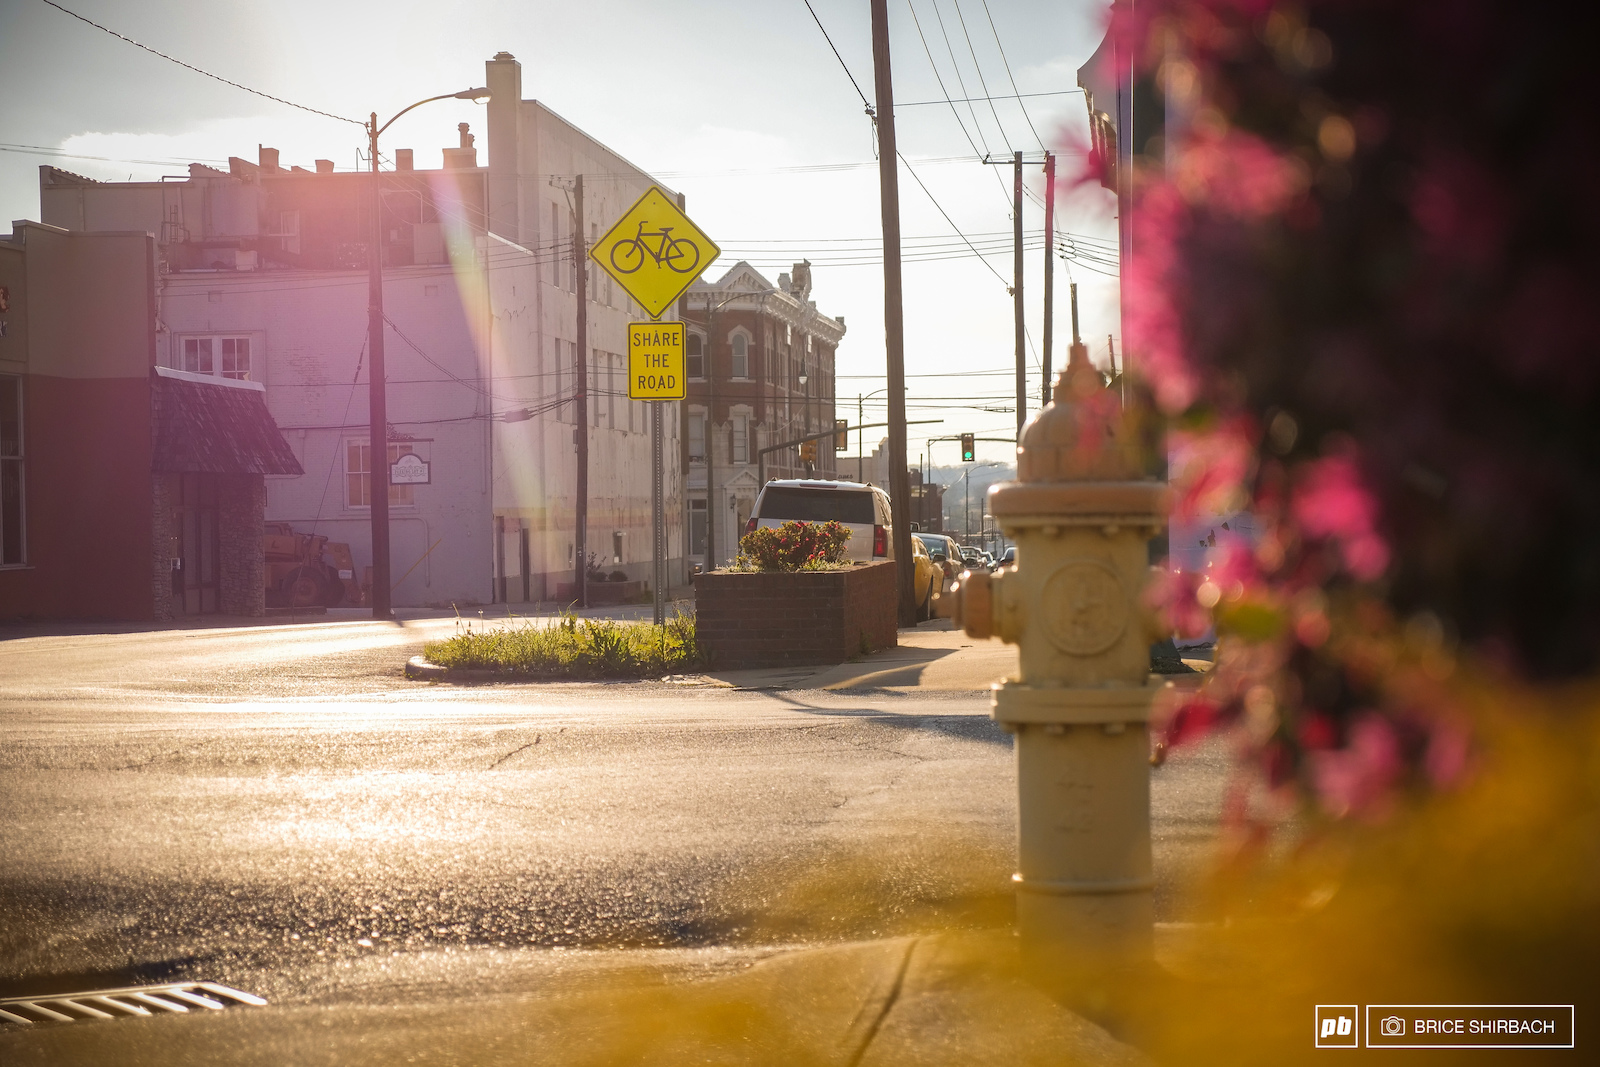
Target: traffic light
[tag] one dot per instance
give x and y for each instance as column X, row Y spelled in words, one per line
column 841, row 435
column 968, row 454
column 808, row 451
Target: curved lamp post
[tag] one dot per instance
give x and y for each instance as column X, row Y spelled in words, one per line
column 377, row 391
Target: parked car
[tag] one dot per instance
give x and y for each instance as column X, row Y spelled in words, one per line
column 862, row 509
column 944, row 551
column 928, row 580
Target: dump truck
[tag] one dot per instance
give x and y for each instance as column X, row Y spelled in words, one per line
column 304, row 570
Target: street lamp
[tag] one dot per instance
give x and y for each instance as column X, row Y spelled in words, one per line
column 805, row 412
column 861, row 443
column 966, row 477
column 712, row 514
column 377, row 390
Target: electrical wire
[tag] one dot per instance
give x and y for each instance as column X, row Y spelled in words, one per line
column 197, row 70
column 864, row 101
column 1015, row 91
column 954, row 111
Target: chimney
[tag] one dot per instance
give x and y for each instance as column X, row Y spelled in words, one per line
column 402, row 159
column 268, row 158
column 465, row 157
column 324, row 166
column 503, row 76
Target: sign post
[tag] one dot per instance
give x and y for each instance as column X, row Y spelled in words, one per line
column 656, row 374
column 655, row 253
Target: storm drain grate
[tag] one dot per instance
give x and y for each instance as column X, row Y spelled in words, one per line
column 176, row 998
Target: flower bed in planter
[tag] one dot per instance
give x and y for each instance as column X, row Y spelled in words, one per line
column 773, row 619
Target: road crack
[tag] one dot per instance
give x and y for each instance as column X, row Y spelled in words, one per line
column 513, row 752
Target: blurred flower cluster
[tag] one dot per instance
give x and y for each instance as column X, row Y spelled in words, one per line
column 1363, row 295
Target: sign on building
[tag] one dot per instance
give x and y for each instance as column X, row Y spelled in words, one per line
column 654, row 252
column 410, row 469
column 655, row 361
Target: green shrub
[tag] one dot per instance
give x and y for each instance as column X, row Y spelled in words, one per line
column 794, row 546
column 573, row 648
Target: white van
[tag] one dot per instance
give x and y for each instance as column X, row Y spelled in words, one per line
column 862, row 509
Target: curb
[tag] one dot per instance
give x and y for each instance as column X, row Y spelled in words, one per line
column 420, row 670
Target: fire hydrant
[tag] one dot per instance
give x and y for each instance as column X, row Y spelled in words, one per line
column 1081, row 514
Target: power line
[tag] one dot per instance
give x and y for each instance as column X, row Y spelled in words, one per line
column 1010, row 76
column 946, row 93
column 981, row 80
column 864, row 101
column 981, row 99
column 197, row 70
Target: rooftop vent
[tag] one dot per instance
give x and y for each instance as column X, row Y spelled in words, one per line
column 402, row 159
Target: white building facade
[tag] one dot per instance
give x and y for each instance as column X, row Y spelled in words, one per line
column 263, row 277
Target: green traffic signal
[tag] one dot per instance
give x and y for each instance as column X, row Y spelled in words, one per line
column 968, row 454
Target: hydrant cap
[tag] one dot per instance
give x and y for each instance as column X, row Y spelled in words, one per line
column 1083, row 434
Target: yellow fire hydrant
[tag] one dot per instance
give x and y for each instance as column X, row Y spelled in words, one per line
column 1080, row 513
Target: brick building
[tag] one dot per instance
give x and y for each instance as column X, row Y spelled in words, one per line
column 128, row 490
column 761, row 373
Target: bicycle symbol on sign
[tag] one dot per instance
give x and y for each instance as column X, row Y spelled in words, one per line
column 677, row 253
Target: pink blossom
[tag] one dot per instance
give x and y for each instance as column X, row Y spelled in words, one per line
column 1331, row 501
column 1357, row 779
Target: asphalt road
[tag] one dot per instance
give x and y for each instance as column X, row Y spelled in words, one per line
column 276, row 808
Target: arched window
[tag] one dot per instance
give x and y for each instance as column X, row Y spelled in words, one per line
column 741, row 356
column 694, row 356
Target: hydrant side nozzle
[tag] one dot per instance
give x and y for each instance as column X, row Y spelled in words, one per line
column 974, row 606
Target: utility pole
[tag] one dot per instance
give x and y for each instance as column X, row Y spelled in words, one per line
column 1050, row 271
column 1016, row 294
column 893, row 320
column 580, row 361
column 1080, row 352
column 711, row 435
column 377, row 395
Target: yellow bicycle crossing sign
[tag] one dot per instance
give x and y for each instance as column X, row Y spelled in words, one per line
column 654, row 252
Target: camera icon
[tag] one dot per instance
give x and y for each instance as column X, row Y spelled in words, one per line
column 1392, row 1026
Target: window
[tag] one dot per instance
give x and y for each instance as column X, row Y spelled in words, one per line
column 694, row 356
column 697, row 527
column 11, row 524
column 741, row 356
column 358, row 471
column 697, row 438
column 590, row 269
column 741, row 439
column 553, row 251
column 225, row 357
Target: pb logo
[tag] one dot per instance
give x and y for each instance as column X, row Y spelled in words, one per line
column 1336, row 1026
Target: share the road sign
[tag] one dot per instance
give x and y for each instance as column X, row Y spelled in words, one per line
column 654, row 252
column 655, row 361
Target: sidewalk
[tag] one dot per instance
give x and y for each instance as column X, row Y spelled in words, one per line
column 953, row 998
column 934, row 656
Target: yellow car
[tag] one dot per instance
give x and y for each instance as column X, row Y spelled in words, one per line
column 929, row 581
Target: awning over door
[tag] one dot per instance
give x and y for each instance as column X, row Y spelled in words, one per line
column 216, row 426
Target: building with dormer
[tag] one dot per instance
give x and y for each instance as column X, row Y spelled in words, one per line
column 760, row 377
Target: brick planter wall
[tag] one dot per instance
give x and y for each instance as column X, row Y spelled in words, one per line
column 809, row 617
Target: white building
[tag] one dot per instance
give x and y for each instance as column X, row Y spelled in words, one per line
column 263, row 276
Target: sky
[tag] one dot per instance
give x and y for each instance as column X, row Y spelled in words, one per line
column 741, row 106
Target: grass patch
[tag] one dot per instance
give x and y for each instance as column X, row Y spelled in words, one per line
column 574, row 648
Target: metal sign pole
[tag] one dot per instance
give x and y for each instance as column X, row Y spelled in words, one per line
column 659, row 547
